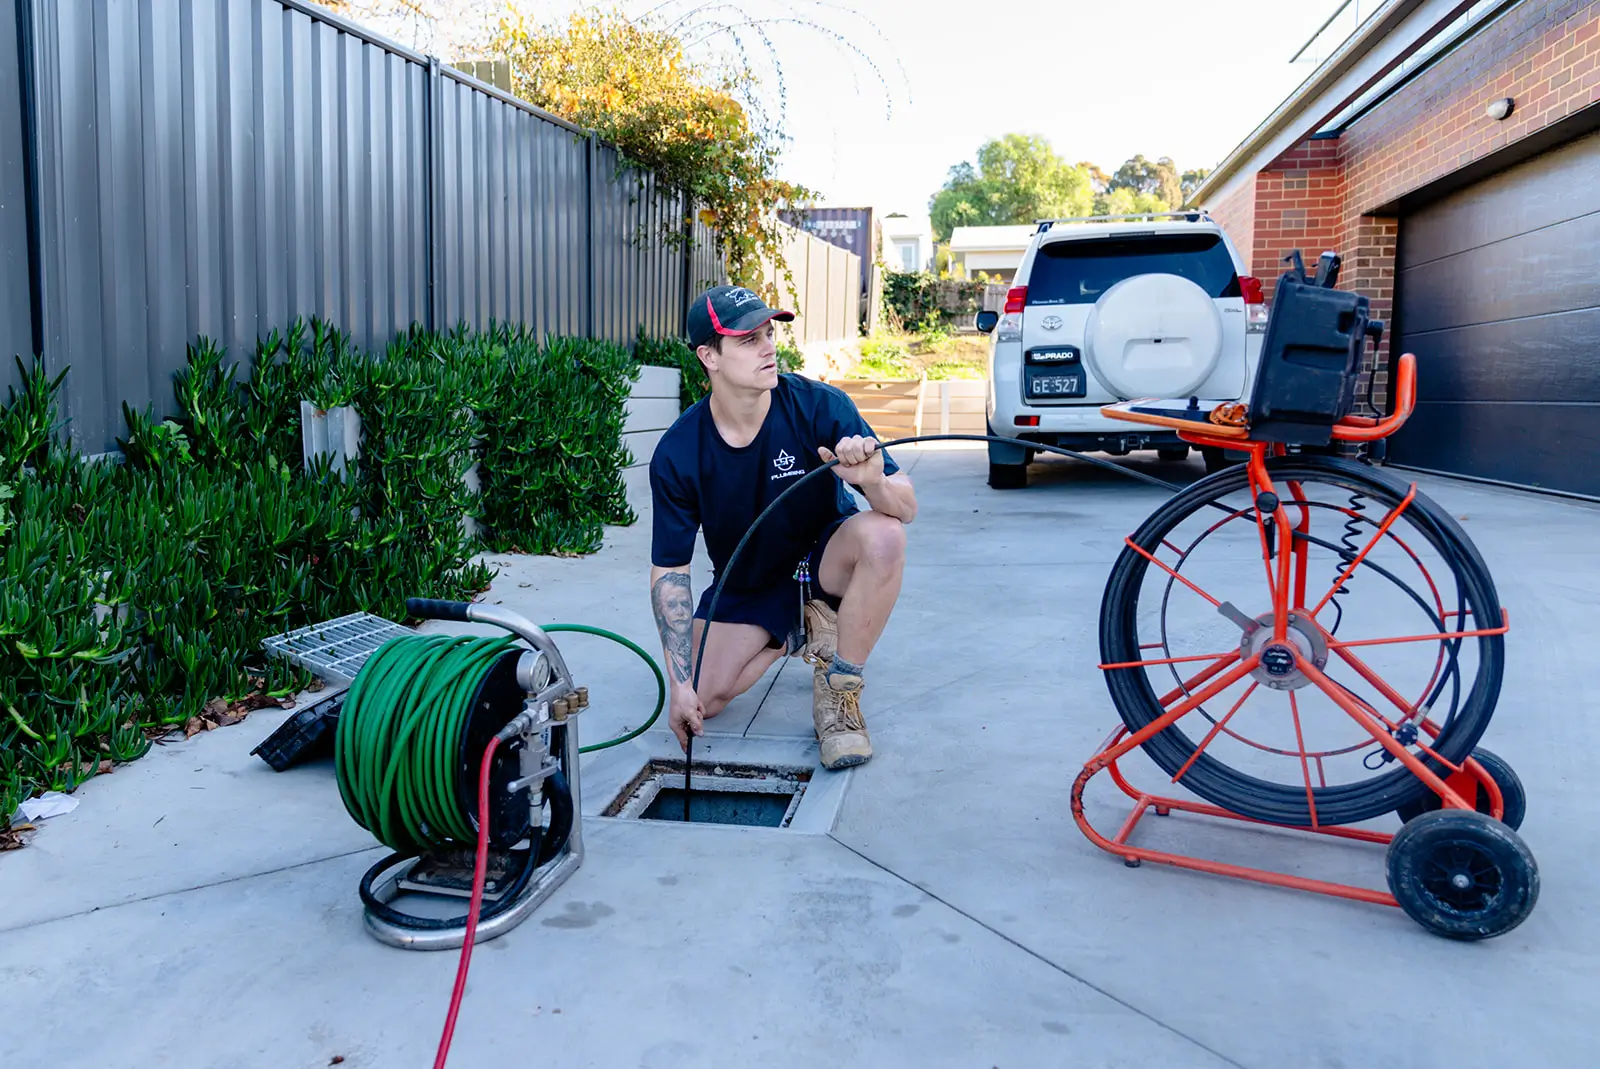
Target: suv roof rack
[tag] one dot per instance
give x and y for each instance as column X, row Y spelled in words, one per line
column 1193, row 215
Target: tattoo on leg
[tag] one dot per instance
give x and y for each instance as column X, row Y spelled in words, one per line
column 674, row 609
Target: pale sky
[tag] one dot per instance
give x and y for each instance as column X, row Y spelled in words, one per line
column 1101, row 80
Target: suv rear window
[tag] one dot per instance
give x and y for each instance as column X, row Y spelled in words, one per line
column 1078, row 272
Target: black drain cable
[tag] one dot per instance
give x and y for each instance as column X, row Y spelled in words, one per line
column 716, row 592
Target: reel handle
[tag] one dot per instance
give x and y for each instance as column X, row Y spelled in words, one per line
column 434, row 609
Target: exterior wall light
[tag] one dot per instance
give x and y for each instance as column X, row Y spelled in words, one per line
column 1499, row 109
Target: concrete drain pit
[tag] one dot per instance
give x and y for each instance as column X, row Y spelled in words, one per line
column 752, row 796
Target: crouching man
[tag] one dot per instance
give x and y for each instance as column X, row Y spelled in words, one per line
column 820, row 577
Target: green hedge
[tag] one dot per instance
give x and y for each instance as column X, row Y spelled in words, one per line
column 135, row 596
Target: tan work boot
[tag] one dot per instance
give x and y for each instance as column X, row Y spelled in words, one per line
column 836, row 713
column 822, row 633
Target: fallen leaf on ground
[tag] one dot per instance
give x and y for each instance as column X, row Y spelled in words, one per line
column 11, row 838
column 221, row 713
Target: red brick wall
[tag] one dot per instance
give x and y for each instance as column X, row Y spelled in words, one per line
column 1237, row 215
column 1299, row 205
column 1543, row 55
column 1321, row 194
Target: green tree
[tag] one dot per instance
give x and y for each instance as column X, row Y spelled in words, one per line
column 1125, row 201
column 1159, row 179
column 1191, row 181
column 1018, row 179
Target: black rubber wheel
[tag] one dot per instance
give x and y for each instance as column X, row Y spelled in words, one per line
column 1216, row 459
column 1511, row 793
column 1172, row 454
column 1285, row 803
column 1008, row 476
column 1462, row 875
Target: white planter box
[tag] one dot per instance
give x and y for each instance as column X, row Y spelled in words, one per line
column 330, row 432
column 653, row 406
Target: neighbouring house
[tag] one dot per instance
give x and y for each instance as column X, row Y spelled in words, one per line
column 1450, row 152
column 907, row 242
column 992, row 250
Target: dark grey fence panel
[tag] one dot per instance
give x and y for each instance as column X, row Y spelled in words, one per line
column 216, row 169
column 512, row 202
column 706, row 265
column 220, row 168
column 16, row 282
column 639, row 260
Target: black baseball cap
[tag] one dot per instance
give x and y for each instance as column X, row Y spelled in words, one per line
column 731, row 311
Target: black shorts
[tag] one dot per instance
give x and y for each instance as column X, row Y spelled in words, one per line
column 778, row 607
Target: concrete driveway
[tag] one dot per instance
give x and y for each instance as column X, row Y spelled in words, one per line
column 200, row 910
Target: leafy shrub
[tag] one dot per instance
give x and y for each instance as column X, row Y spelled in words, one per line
column 135, row 597
column 923, row 299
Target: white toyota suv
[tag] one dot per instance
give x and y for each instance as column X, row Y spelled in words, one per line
column 1112, row 308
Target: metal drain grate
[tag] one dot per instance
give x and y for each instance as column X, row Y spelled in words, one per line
column 335, row 650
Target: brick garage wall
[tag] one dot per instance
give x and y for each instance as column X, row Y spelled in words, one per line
column 1544, row 55
column 1235, row 210
column 1324, row 193
column 1299, row 205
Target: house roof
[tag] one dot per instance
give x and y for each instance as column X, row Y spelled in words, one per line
column 1383, row 41
column 967, row 238
column 905, row 226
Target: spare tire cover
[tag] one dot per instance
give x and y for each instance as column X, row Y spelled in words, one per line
column 1153, row 336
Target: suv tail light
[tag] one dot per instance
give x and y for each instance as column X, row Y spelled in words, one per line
column 1255, row 304
column 1017, row 296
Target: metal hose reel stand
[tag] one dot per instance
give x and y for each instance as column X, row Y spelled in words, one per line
column 528, row 698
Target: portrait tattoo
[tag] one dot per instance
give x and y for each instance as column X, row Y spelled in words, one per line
column 674, row 609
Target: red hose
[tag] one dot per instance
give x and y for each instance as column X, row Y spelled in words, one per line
column 479, row 872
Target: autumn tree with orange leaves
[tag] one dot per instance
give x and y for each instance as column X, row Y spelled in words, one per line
column 694, row 126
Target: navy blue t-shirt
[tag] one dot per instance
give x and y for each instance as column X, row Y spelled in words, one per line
column 698, row 480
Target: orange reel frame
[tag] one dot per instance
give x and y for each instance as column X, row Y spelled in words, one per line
column 1288, row 595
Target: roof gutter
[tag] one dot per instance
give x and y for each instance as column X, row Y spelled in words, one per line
column 1326, row 78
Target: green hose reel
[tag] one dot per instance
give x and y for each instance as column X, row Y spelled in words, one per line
column 411, row 736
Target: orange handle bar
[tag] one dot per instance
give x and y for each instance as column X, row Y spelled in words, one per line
column 1365, row 429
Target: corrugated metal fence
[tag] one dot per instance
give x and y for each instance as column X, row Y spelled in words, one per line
column 16, row 305
column 218, row 168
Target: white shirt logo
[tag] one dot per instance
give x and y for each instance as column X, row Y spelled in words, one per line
column 786, row 467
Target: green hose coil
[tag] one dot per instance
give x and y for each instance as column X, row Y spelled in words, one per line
column 399, row 733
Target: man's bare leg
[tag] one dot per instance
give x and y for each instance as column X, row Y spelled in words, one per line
column 863, row 567
column 737, row 655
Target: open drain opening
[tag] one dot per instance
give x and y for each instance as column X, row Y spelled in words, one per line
column 744, row 795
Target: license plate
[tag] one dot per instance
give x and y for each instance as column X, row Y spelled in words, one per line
column 1067, row 385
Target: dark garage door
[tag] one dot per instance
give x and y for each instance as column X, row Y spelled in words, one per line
column 1498, row 290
